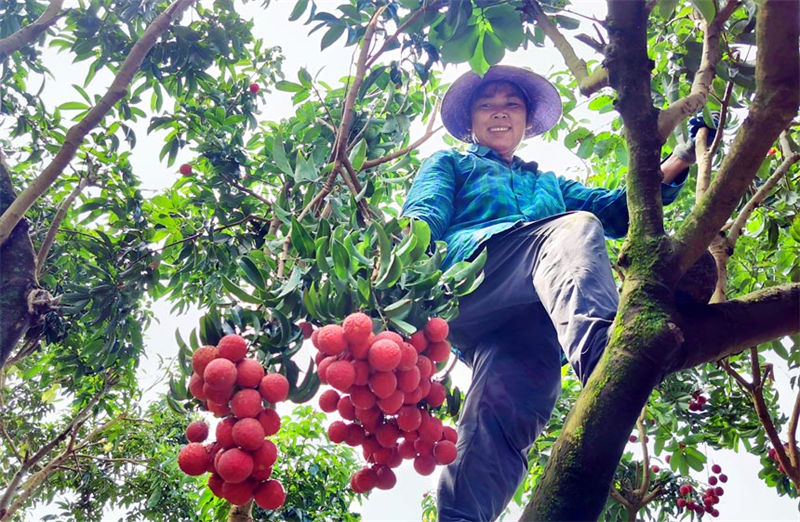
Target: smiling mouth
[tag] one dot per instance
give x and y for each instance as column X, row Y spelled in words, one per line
column 499, row 129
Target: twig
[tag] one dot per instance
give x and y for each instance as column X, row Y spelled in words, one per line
column 645, row 457
column 793, row 431
column 57, row 219
column 736, row 376
column 400, row 29
column 429, row 131
column 122, row 460
column 28, row 34
column 246, row 190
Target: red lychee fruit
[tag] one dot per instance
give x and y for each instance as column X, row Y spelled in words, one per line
column 359, row 351
column 270, row 495
column 391, row 404
column 449, row 433
column 346, row 408
column 381, row 455
column 362, row 397
column 384, row 355
column 436, row 395
column 232, row 347
column 193, row 459
column 197, row 431
column 362, row 373
column 220, row 410
column 408, row 380
column 712, row 480
column 265, row 456
column 409, row 418
column 218, row 395
column 408, row 357
column 438, row 351
column 383, row 384
column 436, row 330
column 369, row 418
column 202, row 356
column 407, row 450
column 685, row 489
column 306, row 328
column 425, row 367
column 418, row 341
column 386, row 434
column 212, row 449
column 215, row 485
column 185, row 169
column 248, row 433
column 328, row 400
column 270, row 421
column 322, row 368
column 430, row 428
column 274, row 387
column 219, row 374
column 246, row 403
column 315, row 338
column 723, row 478
column 355, row 435
column 655, row 469
column 716, row 468
column 423, row 447
column 386, row 478
column 357, row 327
column 331, row 340
column 444, row 452
column 196, row 387
column 395, row 459
column 365, row 479
column 632, row 438
column 340, row 375
column 254, row 88
column 240, row 493
column 681, row 503
column 223, row 432
column 414, row 396
column 424, row 464
column 234, row 465
column 337, row 431
column 249, row 373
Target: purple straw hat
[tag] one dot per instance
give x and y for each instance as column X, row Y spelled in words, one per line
column 541, row 99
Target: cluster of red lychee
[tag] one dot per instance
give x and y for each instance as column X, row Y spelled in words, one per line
column 235, row 388
column 773, row 455
column 382, row 385
column 698, row 401
column 705, row 502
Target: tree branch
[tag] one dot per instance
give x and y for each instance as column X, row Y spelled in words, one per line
column 701, row 84
column 57, row 219
column 793, row 430
column 775, row 104
column 76, row 133
column 587, row 83
column 712, row 332
column 706, row 154
column 28, row 34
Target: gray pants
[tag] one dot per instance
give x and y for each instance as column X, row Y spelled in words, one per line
column 548, row 288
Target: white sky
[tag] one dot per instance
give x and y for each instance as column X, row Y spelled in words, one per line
column 745, row 498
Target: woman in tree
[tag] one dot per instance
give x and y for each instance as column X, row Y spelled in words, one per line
column 548, row 285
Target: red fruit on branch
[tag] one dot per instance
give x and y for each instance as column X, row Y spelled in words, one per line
column 384, row 355
column 246, row 403
column 197, row 431
column 270, row 421
column 196, row 387
column 340, row 375
column 234, row 465
column 357, row 327
column 219, row 374
column 185, row 169
column 444, row 452
column 331, row 340
column 328, row 400
column 232, row 347
column 274, row 387
column 436, row 329
column 424, row 464
column 202, row 356
column 716, row 468
column 306, row 328
column 249, row 373
column 686, row 489
column 270, row 495
column 337, row 432
column 193, row 459
column 239, row 493
column 254, row 88
column 386, row 478
column 248, row 433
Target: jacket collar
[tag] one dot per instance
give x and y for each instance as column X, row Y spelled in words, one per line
column 488, row 152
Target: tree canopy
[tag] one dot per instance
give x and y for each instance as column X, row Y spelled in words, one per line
column 277, row 222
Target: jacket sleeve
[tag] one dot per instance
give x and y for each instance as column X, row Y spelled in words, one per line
column 610, row 206
column 431, row 195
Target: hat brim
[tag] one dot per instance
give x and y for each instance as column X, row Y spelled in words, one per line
column 542, row 100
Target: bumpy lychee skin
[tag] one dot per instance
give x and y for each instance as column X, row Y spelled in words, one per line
column 274, row 387
column 218, row 395
column 436, row 395
column 202, row 356
column 215, row 484
column 408, row 380
column 232, row 347
column 357, row 327
column 430, row 428
column 223, row 432
column 193, row 459
column 386, row 479
column 220, row 410
column 246, row 403
column 444, row 452
column 384, row 355
column 425, row 367
column 436, row 330
column 337, row 432
column 220, row 374
column 196, row 387
column 716, row 468
column 346, row 408
column 369, row 418
column 328, row 400
column 424, row 464
column 391, row 404
column 249, row 373
column 355, row 435
column 418, row 341
column 240, row 493
column 234, row 465
column 449, row 433
column 362, row 397
column 270, row 421
column 248, row 433
column 266, row 455
column 408, row 357
column 212, row 449
column 362, row 373
column 438, row 351
column 386, row 434
column 409, row 418
column 322, row 368
column 406, row 449
column 331, row 340
column 383, row 384
column 365, row 479
column 196, row 431
column 269, row 495
column 340, row 375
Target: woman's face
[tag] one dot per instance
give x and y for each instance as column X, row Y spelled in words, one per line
column 498, row 118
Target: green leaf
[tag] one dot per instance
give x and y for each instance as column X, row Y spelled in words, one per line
column 341, row 261
column 299, row 9
column 279, row 155
column 359, row 154
column 586, row 148
column 301, row 239
column 251, row 272
column 666, row 8
column 695, row 459
column 493, row 48
column 332, row 35
column 567, row 22
column 706, row 8
column 388, row 276
column 74, row 105
column 287, row 86
column 403, row 327
column 461, row 48
column 398, row 309
column 233, row 288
